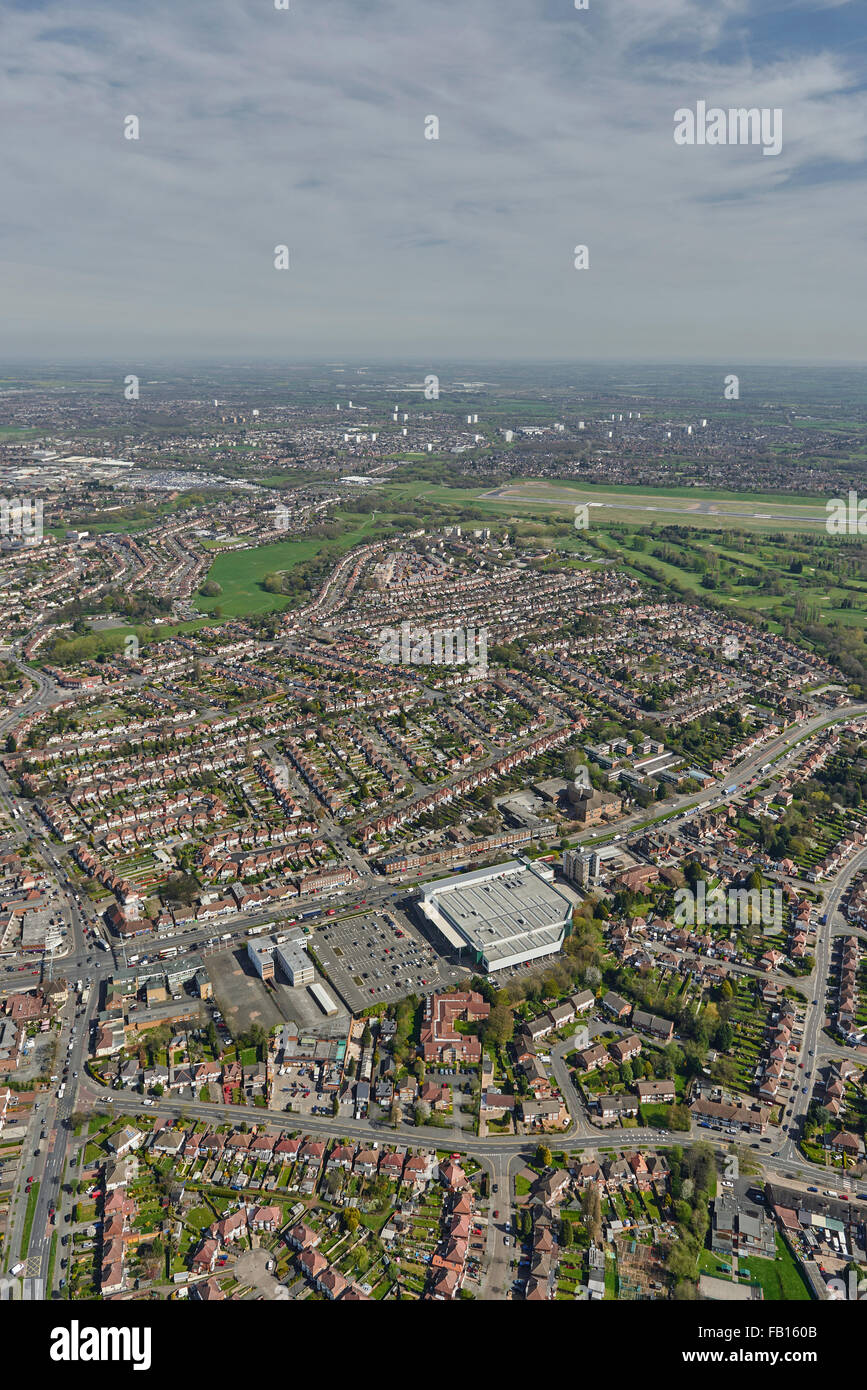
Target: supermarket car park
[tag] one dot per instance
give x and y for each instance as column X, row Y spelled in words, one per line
column 379, row 958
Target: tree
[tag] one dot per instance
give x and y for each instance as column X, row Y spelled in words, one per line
column 724, row 1071
column 565, row 1233
column 682, row 1212
column 499, row 1026
column 544, row 1157
column 822, row 1116
column 694, row 1055
column 350, row 1219
column 699, row 1221
column 701, row 1167
column 681, row 1261
column 181, row 887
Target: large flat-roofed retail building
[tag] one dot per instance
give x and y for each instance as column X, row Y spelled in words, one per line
column 498, row 917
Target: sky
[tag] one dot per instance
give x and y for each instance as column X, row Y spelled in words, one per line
column 305, row 127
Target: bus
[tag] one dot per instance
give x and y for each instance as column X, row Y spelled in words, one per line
column 168, row 952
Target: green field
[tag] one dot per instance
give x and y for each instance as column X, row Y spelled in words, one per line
column 688, row 506
column 240, row 573
column 779, row 1278
column 112, row 640
column 100, row 528
column 28, row 1218
column 758, row 579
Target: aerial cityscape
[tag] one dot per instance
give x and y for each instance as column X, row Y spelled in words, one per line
column 433, row 748
column 421, row 870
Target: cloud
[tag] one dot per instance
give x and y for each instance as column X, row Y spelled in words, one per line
column 306, row 127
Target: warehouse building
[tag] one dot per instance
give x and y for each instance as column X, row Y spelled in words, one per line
column 323, row 999
column 497, row 917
